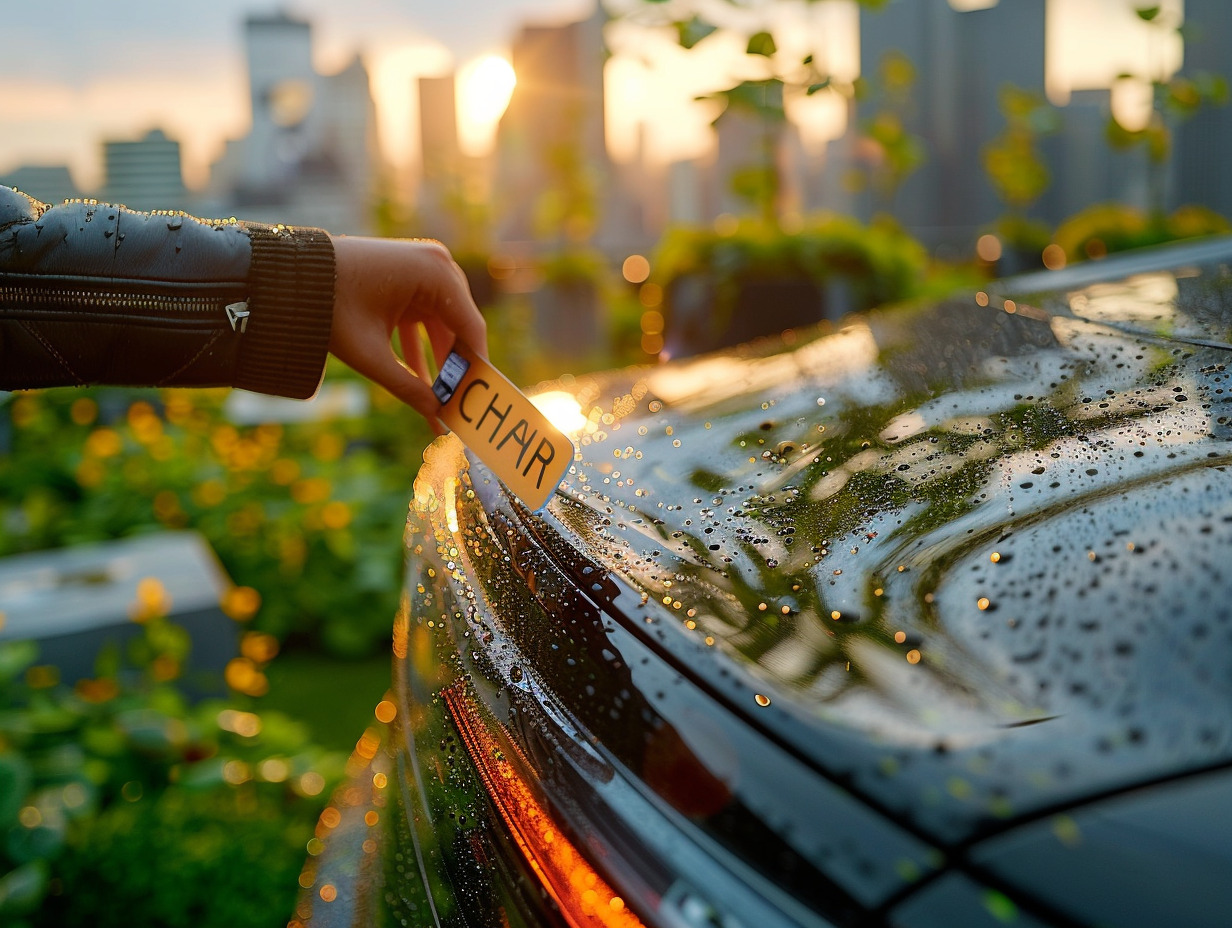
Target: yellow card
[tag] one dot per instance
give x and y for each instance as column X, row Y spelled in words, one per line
column 496, row 421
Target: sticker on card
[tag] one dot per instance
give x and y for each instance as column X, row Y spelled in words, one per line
column 502, row 426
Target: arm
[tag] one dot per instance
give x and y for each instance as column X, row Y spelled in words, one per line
column 98, row 294
column 91, row 293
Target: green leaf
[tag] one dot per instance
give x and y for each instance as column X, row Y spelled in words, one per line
column 1147, row 13
column 762, row 98
column 762, row 44
column 690, row 33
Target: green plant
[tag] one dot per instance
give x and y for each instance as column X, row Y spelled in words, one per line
column 309, row 514
column 1012, row 160
column 118, row 796
column 892, row 153
column 1110, row 227
column 880, row 262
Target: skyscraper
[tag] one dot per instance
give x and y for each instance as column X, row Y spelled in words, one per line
column 552, row 138
column 961, row 61
column 1202, row 143
column 283, row 90
column 144, row 174
column 310, row 155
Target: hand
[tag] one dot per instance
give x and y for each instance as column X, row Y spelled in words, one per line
column 387, row 285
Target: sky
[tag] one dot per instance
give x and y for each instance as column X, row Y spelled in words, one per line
column 76, row 71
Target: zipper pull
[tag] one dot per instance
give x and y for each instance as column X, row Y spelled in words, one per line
column 237, row 313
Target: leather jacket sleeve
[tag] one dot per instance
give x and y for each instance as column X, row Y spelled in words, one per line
column 99, row 294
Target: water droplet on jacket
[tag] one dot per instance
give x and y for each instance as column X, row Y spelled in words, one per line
column 175, row 223
column 108, row 233
column 762, row 700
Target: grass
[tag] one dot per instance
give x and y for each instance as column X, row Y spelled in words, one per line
column 335, row 698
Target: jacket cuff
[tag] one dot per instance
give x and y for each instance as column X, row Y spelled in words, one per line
column 291, row 307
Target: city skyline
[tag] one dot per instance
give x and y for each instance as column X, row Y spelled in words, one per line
column 45, row 125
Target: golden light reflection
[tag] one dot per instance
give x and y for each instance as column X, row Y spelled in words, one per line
column 485, row 87
column 1054, row 257
column 585, row 899
column 386, row 711
column 451, row 503
column 710, row 381
column 311, row 783
column 244, row 724
column 236, row 772
column 988, row 247
column 635, row 269
column 274, row 770
column 562, row 409
column 241, row 603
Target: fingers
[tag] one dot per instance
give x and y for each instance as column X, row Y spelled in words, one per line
column 455, row 308
column 388, row 285
column 413, row 349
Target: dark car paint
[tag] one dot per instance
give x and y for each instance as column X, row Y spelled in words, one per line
column 923, row 621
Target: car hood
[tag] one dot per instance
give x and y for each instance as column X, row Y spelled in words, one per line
column 968, row 559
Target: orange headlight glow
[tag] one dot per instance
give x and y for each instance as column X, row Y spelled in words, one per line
column 584, row 897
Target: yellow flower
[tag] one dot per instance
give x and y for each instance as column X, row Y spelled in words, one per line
column 152, row 600
column 241, row 603
column 103, row 443
column 336, row 515
column 83, row 411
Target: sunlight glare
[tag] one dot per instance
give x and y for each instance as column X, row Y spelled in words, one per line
column 562, row 410
column 485, row 86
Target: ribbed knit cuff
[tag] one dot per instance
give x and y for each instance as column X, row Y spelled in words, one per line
column 291, row 306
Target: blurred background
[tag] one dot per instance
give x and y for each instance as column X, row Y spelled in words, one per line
column 623, row 183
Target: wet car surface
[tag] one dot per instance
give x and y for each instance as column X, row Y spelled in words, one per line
column 923, row 621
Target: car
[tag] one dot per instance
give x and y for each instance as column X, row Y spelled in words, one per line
column 924, row 619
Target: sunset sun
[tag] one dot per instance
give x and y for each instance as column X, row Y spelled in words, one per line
column 484, row 88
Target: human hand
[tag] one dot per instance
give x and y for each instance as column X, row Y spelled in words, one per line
column 387, row 285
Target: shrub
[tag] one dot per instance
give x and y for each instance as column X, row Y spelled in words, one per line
column 121, row 803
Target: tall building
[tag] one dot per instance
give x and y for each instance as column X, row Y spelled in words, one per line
column 145, row 174
column 438, row 126
column 551, row 141
column 1203, row 142
column 441, row 169
column 1086, row 169
column 310, row 157
column 282, row 88
column 51, row 183
column 961, row 61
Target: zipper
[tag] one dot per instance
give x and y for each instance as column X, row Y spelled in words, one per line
column 163, row 306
